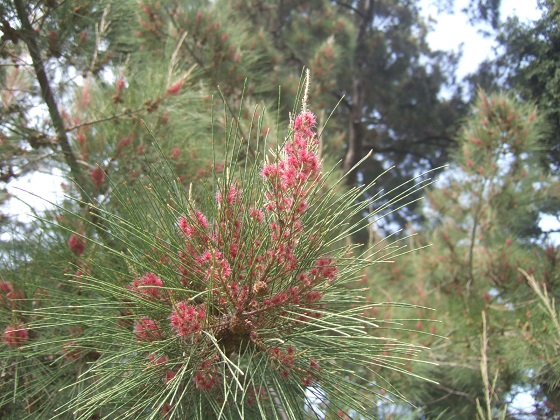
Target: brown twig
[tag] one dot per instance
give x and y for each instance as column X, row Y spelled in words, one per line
column 105, row 119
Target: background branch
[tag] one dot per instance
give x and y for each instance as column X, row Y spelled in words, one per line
column 28, row 36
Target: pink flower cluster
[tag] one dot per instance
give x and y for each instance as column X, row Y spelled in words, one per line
column 15, row 336
column 146, row 329
column 150, row 286
column 213, row 265
column 77, row 244
column 187, row 319
column 10, row 297
column 301, row 162
column 254, row 393
column 284, row 358
column 245, row 269
column 175, row 88
column 206, row 375
column 97, row 177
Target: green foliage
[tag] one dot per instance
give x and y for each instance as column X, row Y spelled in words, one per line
column 529, row 65
column 78, row 316
column 477, row 219
column 230, row 299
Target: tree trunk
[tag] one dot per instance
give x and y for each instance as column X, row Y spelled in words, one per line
column 355, row 124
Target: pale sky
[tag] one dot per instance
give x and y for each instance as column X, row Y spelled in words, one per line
column 451, row 31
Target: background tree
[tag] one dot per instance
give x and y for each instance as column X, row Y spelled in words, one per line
column 528, row 64
column 374, row 55
column 476, row 219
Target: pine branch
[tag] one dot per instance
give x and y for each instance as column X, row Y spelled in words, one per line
column 473, row 240
column 484, row 367
column 27, row 34
column 542, row 293
column 127, row 113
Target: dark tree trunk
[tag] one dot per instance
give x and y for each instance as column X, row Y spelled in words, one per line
column 355, row 143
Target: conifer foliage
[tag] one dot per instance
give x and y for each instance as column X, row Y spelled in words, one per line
column 201, row 265
column 493, row 289
column 232, row 300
